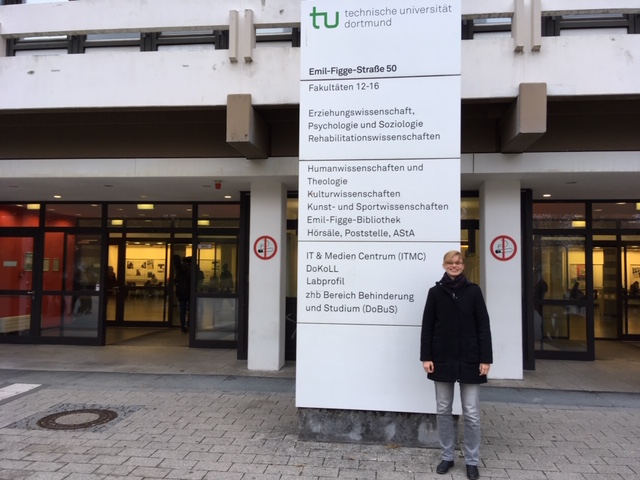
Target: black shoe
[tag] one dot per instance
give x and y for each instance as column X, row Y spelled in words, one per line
column 472, row 472
column 183, row 329
column 444, row 466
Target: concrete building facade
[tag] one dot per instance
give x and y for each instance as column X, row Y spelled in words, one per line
column 135, row 134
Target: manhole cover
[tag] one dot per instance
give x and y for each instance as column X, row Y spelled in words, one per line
column 76, row 419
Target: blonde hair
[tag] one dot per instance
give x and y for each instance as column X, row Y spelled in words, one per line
column 450, row 254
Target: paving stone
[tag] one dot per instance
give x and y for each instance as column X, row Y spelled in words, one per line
column 85, row 476
column 178, row 464
column 269, row 459
column 143, row 461
column 252, row 436
column 284, row 470
column 7, row 464
column 13, row 454
column 575, row 468
column 305, row 461
column 564, row 476
column 121, row 470
column 619, row 469
column 330, row 472
column 168, row 454
column 44, row 466
column 213, row 466
column 237, row 458
column 13, row 474
column 150, row 472
column 608, row 476
column 79, row 468
column 248, row 468
column 525, row 474
column 263, row 476
column 224, row 476
column 205, row 457
column 298, row 477
column 48, row 476
column 357, row 474
column 109, row 460
column 377, row 466
column 186, row 474
column 394, row 476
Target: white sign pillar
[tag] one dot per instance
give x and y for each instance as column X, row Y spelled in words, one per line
column 501, row 273
column 267, row 234
column 379, row 195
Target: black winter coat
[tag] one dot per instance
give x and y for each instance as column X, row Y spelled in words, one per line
column 183, row 283
column 456, row 335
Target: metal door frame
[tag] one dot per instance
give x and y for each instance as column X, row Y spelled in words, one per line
column 36, row 283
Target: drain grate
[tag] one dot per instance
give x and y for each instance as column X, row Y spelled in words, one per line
column 77, row 419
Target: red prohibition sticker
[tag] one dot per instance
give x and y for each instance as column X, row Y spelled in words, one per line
column 265, row 247
column 503, row 248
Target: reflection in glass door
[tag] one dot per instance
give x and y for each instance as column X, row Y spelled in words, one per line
column 562, row 306
column 137, row 293
column 60, row 283
column 16, row 285
column 71, row 285
column 630, row 318
column 605, row 292
column 616, row 280
column 216, row 282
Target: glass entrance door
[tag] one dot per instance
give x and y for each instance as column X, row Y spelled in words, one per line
column 17, row 293
column 216, row 290
column 53, row 290
column 562, row 299
column 616, row 278
column 137, row 290
column 630, row 293
column 71, row 273
column 606, row 286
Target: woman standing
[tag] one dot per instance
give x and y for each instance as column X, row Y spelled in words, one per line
column 456, row 346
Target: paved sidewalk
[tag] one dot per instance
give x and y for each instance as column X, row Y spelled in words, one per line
column 200, row 414
column 244, row 428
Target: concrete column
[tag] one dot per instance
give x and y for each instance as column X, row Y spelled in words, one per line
column 267, row 278
column 501, row 276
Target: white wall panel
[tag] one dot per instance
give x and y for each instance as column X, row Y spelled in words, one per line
column 555, row 162
column 149, row 79
column 369, row 377
column 490, row 69
column 571, row 65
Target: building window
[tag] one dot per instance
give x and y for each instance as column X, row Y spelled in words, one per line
column 590, row 24
column 486, row 27
column 67, row 215
column 20, row 215
column 150, row 215
column 558, row 215
column 625, row 215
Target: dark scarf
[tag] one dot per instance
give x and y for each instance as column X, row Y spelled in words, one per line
column 454, row 283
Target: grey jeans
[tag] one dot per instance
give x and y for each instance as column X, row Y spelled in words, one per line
column 470, row 398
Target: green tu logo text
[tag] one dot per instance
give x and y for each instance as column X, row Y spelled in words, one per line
column 315, row 14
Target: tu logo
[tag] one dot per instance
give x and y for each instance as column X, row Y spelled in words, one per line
column 315, row 14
